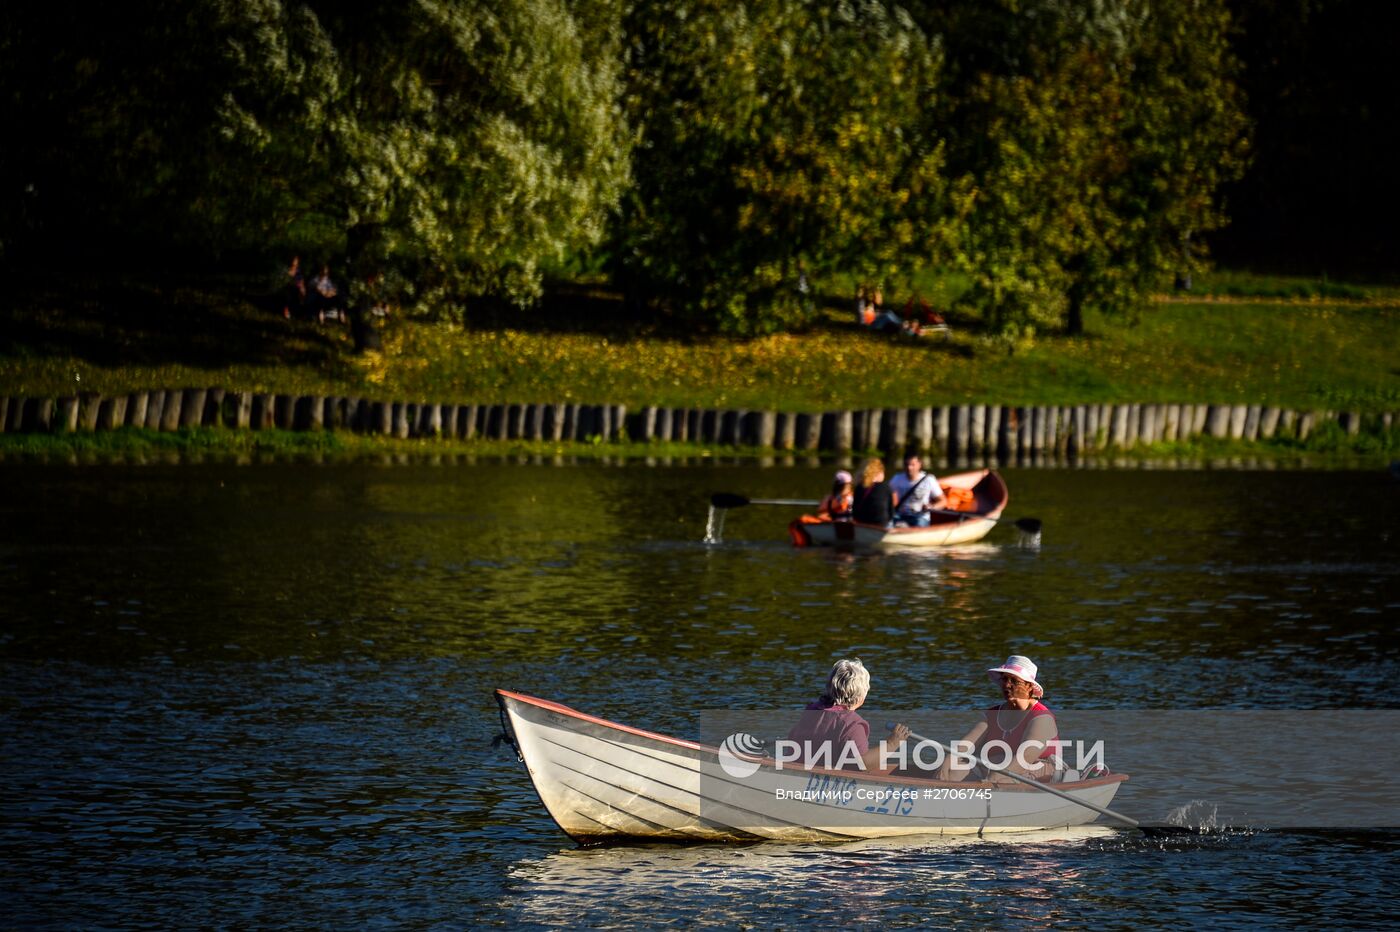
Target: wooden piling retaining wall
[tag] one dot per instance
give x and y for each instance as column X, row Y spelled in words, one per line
column 953, row 431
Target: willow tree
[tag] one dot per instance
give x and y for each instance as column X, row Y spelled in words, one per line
column 776, row 139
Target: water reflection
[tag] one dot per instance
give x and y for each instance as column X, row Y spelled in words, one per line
column 227, row 689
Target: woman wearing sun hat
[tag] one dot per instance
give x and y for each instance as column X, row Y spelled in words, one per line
column 1018, row 719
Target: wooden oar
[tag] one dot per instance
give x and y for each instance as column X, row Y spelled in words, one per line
column 730, row 500
column 1151, row 831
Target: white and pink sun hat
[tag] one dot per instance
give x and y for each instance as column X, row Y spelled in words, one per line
column 1021, row 667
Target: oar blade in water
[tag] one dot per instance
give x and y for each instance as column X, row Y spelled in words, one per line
column 728, row 500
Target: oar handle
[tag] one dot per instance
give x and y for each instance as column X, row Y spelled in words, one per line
column 1126, row 820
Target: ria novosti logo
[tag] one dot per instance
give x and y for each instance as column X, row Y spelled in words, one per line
column 740, row 754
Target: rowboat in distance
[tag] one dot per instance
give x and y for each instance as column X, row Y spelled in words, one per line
column 605, row 782
column 975, row 499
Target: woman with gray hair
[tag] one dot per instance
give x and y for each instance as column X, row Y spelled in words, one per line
column 830, row 733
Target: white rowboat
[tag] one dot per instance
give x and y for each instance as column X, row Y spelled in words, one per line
column 602, row 781
column 976, row 516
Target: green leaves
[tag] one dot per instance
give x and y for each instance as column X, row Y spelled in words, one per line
column 777, row 138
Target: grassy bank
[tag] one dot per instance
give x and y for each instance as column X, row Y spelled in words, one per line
column 1305, row 351
column 1329, row 447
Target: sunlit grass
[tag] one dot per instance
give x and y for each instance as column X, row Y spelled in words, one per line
column 1315, row 354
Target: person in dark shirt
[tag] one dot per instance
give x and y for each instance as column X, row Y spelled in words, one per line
column 874, row 502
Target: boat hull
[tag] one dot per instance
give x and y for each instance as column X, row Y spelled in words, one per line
column 601, row 781
column 970, row 524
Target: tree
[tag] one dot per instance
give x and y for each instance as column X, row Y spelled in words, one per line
column 1092, row 140
column 776, row 138
column 453, row 146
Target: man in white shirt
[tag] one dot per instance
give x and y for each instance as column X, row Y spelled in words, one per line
column 916, row 492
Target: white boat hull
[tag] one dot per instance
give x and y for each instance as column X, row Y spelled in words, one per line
column 603, row 781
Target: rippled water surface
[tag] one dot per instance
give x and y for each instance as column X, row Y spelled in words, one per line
column 235, row 694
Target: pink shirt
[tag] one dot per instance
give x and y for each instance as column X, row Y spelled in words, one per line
column 825, row 724
column 1015, row 736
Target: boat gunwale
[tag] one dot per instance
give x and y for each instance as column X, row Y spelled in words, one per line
column 551, row 706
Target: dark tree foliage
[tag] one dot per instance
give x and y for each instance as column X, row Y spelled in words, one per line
column 453, row 147
column 1321, row 194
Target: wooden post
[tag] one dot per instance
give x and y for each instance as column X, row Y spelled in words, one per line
column 4, row 414
column 1351, row 422
column 1268, row 422
column 1306, row 419
column 1007, row 434
column 381, row 418
column 398, row 419
column 136, row 403
column 170, row 414
column 213, row 414
column 1237, row 416
column 42, row 414
column 1251, row 422
column 844, row 430
column 618, row 423
column 191, row 412
column 921, row 428
column 976, row 428
column 1147, row 423
column 1218, row 421
column 553, row 426
column 66, row 420
column 89, row 403
column 766, row 424
column 809, row 432
column 240, row 410
column 155, row 409
column 991, row 440
column 284, row 411
column 1118, row 426
column 1171, row 420
column 786, row 430
column 108, row 416
column 304, row 409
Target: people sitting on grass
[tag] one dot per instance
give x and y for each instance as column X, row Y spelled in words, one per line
column 294, row 290
column 917, row 494
column 326, row 301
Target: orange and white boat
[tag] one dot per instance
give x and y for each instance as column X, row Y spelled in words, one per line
column 975, row 503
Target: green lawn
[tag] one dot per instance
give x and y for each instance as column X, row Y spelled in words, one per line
column 1323, row 352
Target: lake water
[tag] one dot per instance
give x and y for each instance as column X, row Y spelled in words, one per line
column 237, row 694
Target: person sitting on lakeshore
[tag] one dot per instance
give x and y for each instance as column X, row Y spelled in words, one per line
column 325, row 298
column 882, row 319
column 873, row 501
column 916, row 492
column 294, row 291
column 839, row 503
column 830, row 733
column 1018, row 720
